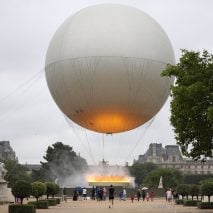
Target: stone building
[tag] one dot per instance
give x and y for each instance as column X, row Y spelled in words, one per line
column 6, row 151
column 31, row 167
column 170, row 157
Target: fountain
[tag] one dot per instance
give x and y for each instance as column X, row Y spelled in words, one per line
column 105, row 175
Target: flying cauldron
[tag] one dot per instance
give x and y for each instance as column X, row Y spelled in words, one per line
column 103, row 68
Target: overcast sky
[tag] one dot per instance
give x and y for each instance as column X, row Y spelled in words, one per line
column 30, row 119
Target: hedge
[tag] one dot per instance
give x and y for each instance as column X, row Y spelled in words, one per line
column 205, row 205
column 191, row 202
column 179, row 201
column 51, row 202
column 17, row 208
column 5, row 202
column 58, row 200
column 41, row 204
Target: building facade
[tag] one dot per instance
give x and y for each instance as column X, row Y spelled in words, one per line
column 6, row 151
column 170, row 157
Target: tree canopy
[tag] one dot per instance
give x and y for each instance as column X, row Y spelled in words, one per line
column 194, row 190
column 38, row 189
column 171, row 177
column 15, row 172
column 184, row 190
column 139, row 171
column 61, row 162
column 208, row 180
column 192, row 103
column 21, row 189
column 51, row 189
column 196, row 178
column 207, row 189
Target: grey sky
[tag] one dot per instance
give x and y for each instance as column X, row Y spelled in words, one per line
column 30, row 119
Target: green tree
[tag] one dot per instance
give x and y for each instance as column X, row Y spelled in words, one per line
column 184, row 190
column 196, row 178
column 194, row 190
column 61, row 162
column 171, row 177
column 38, row 189
column 139, row 171
column 192, row 103
column 38, row 175
column 56, row 190
column 208, row 180
column 207, row 189
column 21, row 189
column 15, row 172
column 52, row 189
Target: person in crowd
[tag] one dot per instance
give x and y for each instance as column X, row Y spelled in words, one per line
column 111, row 196
column 139, row 195
column 124, row 194
column 169, row 195
column 143, row 194
column 152, row 194
column 97, row 193
column 101, row 193
column 80, row 192
column 104, row 193
column 121, row 195
column 132, row 197
column 75, row 195
column 93, row 193
column 166, row 194
column 84, row 192
column 147, row 196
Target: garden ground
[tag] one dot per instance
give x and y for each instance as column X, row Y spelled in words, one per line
column 90, row 206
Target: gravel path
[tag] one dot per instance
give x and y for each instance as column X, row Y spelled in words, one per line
column 89, row 206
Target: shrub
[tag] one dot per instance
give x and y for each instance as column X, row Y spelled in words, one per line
column 207, row 180
column 191, row 202
column 205, row 205
column 21, row 189
column 207, row 189
column 49, row 188
column 41, row 204
column 58, row 200
column 15, row 208
column 179, row 201
column 52, row 202
column 38, row 189
column 52, row 189
column 5, row 202
column 194, row 190
column 183, row 189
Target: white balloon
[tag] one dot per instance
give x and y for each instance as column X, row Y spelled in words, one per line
column 103, row 68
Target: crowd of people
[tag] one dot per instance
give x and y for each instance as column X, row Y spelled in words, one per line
column 143, row 195
column 98, row 193
column 101, row 194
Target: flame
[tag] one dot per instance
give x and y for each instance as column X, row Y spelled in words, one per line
column 106, row 179
column 110, row 120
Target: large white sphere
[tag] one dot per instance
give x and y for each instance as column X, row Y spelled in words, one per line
column 103, row 68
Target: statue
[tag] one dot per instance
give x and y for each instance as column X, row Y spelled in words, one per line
column 3, row 171
column 5, row 192
column 160, row 186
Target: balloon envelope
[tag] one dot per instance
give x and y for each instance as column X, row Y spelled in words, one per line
column 103, row 68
